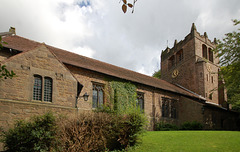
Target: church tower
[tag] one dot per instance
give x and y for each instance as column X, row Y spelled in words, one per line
column 193, row 65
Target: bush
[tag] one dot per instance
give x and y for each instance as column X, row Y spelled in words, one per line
column 100, row 131
column 38, row 135
column 194, row 125
column 86, row 132
column 161, row 126
column 129, row 129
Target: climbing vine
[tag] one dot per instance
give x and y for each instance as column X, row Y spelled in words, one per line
column 122, row 98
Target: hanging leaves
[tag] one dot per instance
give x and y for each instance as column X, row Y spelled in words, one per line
column 126, row 5
column 130, row 5
column 124, row 8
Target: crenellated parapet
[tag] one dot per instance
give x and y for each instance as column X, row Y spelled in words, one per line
column 168, row 52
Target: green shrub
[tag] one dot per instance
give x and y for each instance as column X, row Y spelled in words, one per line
column 194, row 125
column 161, row 126
column 128, row 130
column 36, row 135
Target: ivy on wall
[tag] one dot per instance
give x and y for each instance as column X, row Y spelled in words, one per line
column 122, row 98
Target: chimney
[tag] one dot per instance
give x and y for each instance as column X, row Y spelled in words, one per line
column 12, row 30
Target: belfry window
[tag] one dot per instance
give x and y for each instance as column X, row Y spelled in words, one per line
column 204, row 51
column 210, row 54
column 42, row 92
column 171, row 62
column 180, row 55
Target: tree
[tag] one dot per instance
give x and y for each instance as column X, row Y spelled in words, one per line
column 157, row 74
column 4, row 73
column 229, row 54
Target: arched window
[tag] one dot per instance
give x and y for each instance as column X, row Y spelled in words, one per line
column 48, row 89
column 37, row 88
column 204, row 51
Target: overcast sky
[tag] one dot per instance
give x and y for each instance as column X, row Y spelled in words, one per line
column 100, row 30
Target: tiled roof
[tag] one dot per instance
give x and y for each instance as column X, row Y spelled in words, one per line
column 23, row 44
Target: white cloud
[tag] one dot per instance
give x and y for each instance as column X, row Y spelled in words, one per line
column 99, row 29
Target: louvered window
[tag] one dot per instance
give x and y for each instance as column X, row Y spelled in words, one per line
column 48, row 89
column 37, row 88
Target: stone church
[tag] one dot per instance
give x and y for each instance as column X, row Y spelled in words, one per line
column 49, row 78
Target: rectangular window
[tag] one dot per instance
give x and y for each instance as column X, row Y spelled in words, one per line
column 48, row 89
column 169, row 108
column 97, row 100
column 212, row 78
column 41, row 92
column 37, row 88
column 140, row 100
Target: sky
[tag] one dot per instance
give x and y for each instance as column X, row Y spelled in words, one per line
column 100, row 30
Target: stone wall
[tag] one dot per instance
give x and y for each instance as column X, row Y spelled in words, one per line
column 220, row 119
column 43, row 63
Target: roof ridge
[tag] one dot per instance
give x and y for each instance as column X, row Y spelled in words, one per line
column 71, row 58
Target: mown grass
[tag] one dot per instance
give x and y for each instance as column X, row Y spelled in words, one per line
column 190, row 141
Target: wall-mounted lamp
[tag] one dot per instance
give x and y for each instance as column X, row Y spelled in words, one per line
column 85, row 97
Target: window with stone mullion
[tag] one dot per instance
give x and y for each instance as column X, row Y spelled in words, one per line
column 37, row 88
column 48, row 89
column 97, row 96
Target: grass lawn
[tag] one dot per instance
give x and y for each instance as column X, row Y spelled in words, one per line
column 190, row 141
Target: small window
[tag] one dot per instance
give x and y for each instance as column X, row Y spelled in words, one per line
column 48, row 89
column 212, row 78
column 210, row 96
column 97, row 100
column 140, row 100
column 37, row 88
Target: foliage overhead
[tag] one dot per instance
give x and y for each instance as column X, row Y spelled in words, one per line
column 229, row 53
column 4, row 72
column 128, row 5
column 157, row 74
